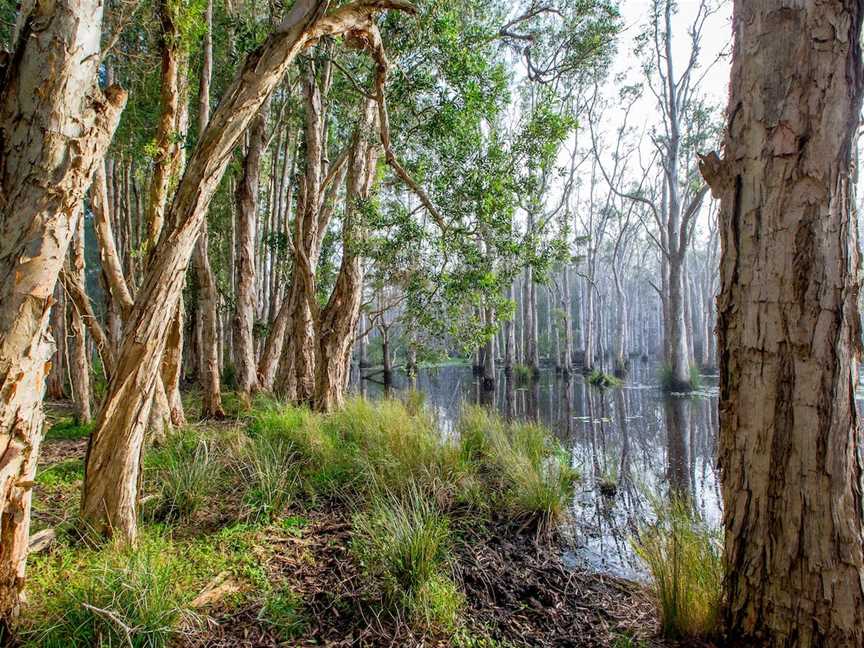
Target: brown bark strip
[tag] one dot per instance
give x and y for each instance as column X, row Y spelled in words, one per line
column 338, row 320
column 247, row 213
column 75, row 289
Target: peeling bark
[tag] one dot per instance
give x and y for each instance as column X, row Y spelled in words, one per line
column 79, row 367
column 247, row 215
column 56, row 125
column 338, row 320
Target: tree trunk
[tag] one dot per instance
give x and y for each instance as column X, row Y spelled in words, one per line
column 297, row 373
column 510, row 335
column 209, row 365
column 621, row 361
column 490, row 372
column 567, row 322
column 56, row 380
column 789, row 329
column 79, row 366
column 56, row 127
column 208, row 296
column 338, row 320
column 171, row 369
column 247, row 215
column 112, row 467
column 588, row 357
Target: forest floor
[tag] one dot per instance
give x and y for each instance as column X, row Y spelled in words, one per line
column 221, row 564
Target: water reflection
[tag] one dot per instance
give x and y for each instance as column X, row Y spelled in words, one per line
column 631, row 445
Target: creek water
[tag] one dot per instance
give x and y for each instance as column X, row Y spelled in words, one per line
column 631, row 445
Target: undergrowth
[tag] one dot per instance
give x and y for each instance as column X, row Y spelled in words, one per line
column 412, row 492
column 669, row 383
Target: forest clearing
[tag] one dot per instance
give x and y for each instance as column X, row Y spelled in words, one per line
column 424, row 323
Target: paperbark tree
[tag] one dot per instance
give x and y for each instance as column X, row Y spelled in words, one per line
column 56, row 125
column 316, row 201
column 337, row 322
column 112, row 467
column 247, row 215
column 79, row 367
column 209, row 367
column 788, row 326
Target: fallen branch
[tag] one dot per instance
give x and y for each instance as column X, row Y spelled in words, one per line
column 116, row 620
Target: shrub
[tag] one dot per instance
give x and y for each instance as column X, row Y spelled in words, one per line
column 684, row 561
column 113, row 597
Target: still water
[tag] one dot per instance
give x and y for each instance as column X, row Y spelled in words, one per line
column 631, row 445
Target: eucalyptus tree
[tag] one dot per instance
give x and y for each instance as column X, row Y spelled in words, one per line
column 789, row 326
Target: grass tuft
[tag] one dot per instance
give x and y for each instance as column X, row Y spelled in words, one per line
column 603, row 380
column 529, row 474
column 684, row 560
column 113, row 597
column 668, row 382
column 186, row 470
column 403, row 542
column 270, row 476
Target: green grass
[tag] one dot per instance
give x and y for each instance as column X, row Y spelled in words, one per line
column 528, row 475
column 412, row 492
column 113, row 597
column 271, row 478
column 78, row 596
column 186, row 471
column 404, row 543
column 283, row 610
column 684, row 560
column 68, row 429
column 65, row 472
